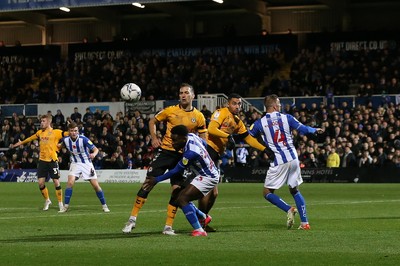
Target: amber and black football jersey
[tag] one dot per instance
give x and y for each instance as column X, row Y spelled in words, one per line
column 226, row 122
column 48, row 140
column 174, row 115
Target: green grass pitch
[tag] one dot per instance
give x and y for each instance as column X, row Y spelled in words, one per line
column 351, row 224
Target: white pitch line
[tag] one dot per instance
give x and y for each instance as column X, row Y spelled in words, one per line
column 267, row 205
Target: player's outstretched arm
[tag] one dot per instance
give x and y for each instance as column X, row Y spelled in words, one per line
column 16, row 144
column 21, row 142
column 155, row 141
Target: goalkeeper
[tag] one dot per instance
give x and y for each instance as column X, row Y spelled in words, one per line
column 224, row 123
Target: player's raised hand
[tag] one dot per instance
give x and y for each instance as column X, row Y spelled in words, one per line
column 12, row 146
column 155, row 142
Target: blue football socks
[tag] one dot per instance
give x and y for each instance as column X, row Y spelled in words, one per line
column 68, row 195
column 191, row 215
column 200, row 215
column 277, row 201
column 301, row 206
column 100, row 195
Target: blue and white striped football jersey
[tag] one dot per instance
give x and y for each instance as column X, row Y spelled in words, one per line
column 276, row 131
column 196, row 157
column 79, row 148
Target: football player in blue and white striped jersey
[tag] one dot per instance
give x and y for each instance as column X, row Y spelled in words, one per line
column 83, row 151
column 276, row 130
column 196, row 158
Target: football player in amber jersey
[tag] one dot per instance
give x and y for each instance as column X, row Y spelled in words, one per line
column 166, row 158
column 224, row 123
column 48, row 160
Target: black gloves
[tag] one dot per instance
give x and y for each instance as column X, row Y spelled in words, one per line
column 230, row 145
column 269, row 153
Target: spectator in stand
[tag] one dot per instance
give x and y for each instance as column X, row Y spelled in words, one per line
column 381, row 157
column 241, row 155
column 5, row 136
column 312, row 161
column 226, row 160
column 2, row 174
column 114, row 162
column 349, row 159
column 207, row 113
column 76, row 115
column 14, row 163
column 129, row 165
column 252, row 118
column 365, row 160
column 27, row 162
column 59, row 120
column 250, row 111
column 3, row 160
column 98, row 161
column 394, row 87
column 88, row 115
column 333, row 159
column 254, row 159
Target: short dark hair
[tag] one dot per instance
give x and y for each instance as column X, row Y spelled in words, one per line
column 72, row 125
column 234, row 95
column 180, row 130
column 187, row 85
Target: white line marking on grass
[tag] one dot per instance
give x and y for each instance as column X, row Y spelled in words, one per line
column 50, row 214
column 73, row 213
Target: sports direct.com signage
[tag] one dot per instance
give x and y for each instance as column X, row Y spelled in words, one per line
column 363, row 45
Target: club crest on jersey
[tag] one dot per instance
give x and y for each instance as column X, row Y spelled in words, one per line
column 216, row 115
column 185, row 161
column 193, row 120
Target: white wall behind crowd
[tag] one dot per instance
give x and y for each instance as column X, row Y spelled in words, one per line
column 113, row 176
column 112, row 107
column 68, row 108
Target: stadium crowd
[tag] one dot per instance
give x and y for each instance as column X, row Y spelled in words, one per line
column 360, row 137
column 312, row 72
column 363, row 136
column 31, row 80
column 328, row 73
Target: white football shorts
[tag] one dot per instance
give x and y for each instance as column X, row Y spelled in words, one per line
column 83, row 170
column 204, row 183
column 288, row 173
